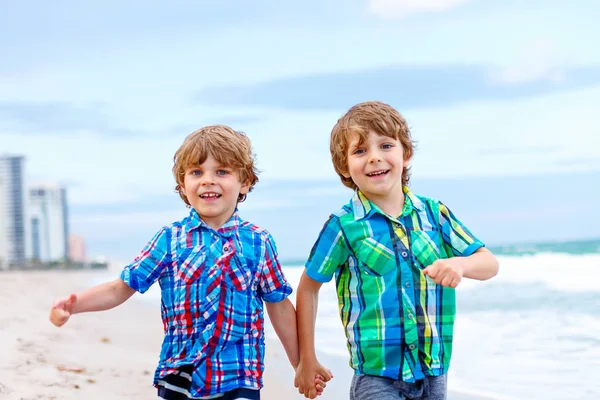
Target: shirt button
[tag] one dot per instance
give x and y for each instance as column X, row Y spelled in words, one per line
column 226, row 249
column 407, row 284
column 397, row 224
column 411, row 346
column 410, row 316
column 404, row 254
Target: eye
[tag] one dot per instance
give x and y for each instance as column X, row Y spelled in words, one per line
column 195, row 172
column 222, row 172
column 387, row 146
column 359, row 151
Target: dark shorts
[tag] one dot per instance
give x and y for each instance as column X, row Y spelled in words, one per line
column 177, row 387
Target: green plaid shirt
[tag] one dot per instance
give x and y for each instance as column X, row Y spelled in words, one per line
column 398, row 322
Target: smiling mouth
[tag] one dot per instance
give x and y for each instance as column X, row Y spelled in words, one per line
column 378, row 173
column 210, row 196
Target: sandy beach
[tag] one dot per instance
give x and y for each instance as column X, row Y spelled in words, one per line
column 106, row 355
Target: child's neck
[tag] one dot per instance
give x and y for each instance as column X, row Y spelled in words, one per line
column 216, row 222
column 392, row 203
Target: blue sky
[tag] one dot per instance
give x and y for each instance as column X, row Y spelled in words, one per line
column 501, row 97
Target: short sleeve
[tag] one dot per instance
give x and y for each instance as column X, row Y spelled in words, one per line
column 329, row 252
column 273, row 286
column 458, row 240
column 147, row 267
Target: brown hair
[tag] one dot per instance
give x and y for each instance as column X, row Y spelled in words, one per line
column 361, row 119
column 229, row 147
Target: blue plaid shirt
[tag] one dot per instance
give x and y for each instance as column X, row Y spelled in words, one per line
column 213, row 284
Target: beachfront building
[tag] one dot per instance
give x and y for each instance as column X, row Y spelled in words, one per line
column 77, row 251
column 12, row 196
column 3, row 245
column 49, row 226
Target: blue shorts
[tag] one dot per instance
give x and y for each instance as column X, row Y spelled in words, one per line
column 368, row 387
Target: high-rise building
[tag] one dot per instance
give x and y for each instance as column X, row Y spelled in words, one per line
column 3, row 245
column 14, row 212
column 49, row 227
column 77, row 251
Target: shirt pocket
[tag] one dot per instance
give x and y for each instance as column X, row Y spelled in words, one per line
column 238, row 295
column 376, row 258
column 191, row 263
column 238, row 275
column 425, row 247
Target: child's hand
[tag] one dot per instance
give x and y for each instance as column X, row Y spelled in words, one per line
column 308, row 379
column 320, row 383
column 62, row 309
column 446, row 272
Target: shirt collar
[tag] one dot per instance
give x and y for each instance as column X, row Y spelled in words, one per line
column 364, row 208
column 195, row 222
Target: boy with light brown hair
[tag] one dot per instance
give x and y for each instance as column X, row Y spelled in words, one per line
column 215, row 271
column 397, row 258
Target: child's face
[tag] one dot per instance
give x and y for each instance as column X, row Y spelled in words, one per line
column 376, row 166
column 213, row 189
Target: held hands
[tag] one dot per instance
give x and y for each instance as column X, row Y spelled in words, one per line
column 447, row 272
column 62, row 309
column 311, row 379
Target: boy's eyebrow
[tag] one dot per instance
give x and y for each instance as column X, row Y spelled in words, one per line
column 355, row 144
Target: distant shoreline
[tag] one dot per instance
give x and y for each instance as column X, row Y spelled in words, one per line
column 55, row 266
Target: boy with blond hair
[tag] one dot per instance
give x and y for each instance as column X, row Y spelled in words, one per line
column 397, row 258
column 215, row 270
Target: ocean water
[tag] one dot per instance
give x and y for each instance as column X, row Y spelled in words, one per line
column 532, row 332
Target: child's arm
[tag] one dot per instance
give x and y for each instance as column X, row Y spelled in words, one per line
column 283, row 319
column 480, row 265
column 307, row 298
column 98, row 298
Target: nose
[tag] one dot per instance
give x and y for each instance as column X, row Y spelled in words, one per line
column 374, row 157
column 207, row 179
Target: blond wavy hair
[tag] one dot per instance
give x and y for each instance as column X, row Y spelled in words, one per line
column 370, row 116
column 229, row 147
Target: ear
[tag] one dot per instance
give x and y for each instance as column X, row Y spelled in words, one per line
column 406, row 162
column 345, row 173
column 245, row 188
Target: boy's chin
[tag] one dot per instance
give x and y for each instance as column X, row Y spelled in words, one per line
column 383, row 190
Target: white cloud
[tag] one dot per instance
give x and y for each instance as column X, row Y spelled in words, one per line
column 397, row 8
column 295, row 146
column 536, row 61
column 527, row 73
